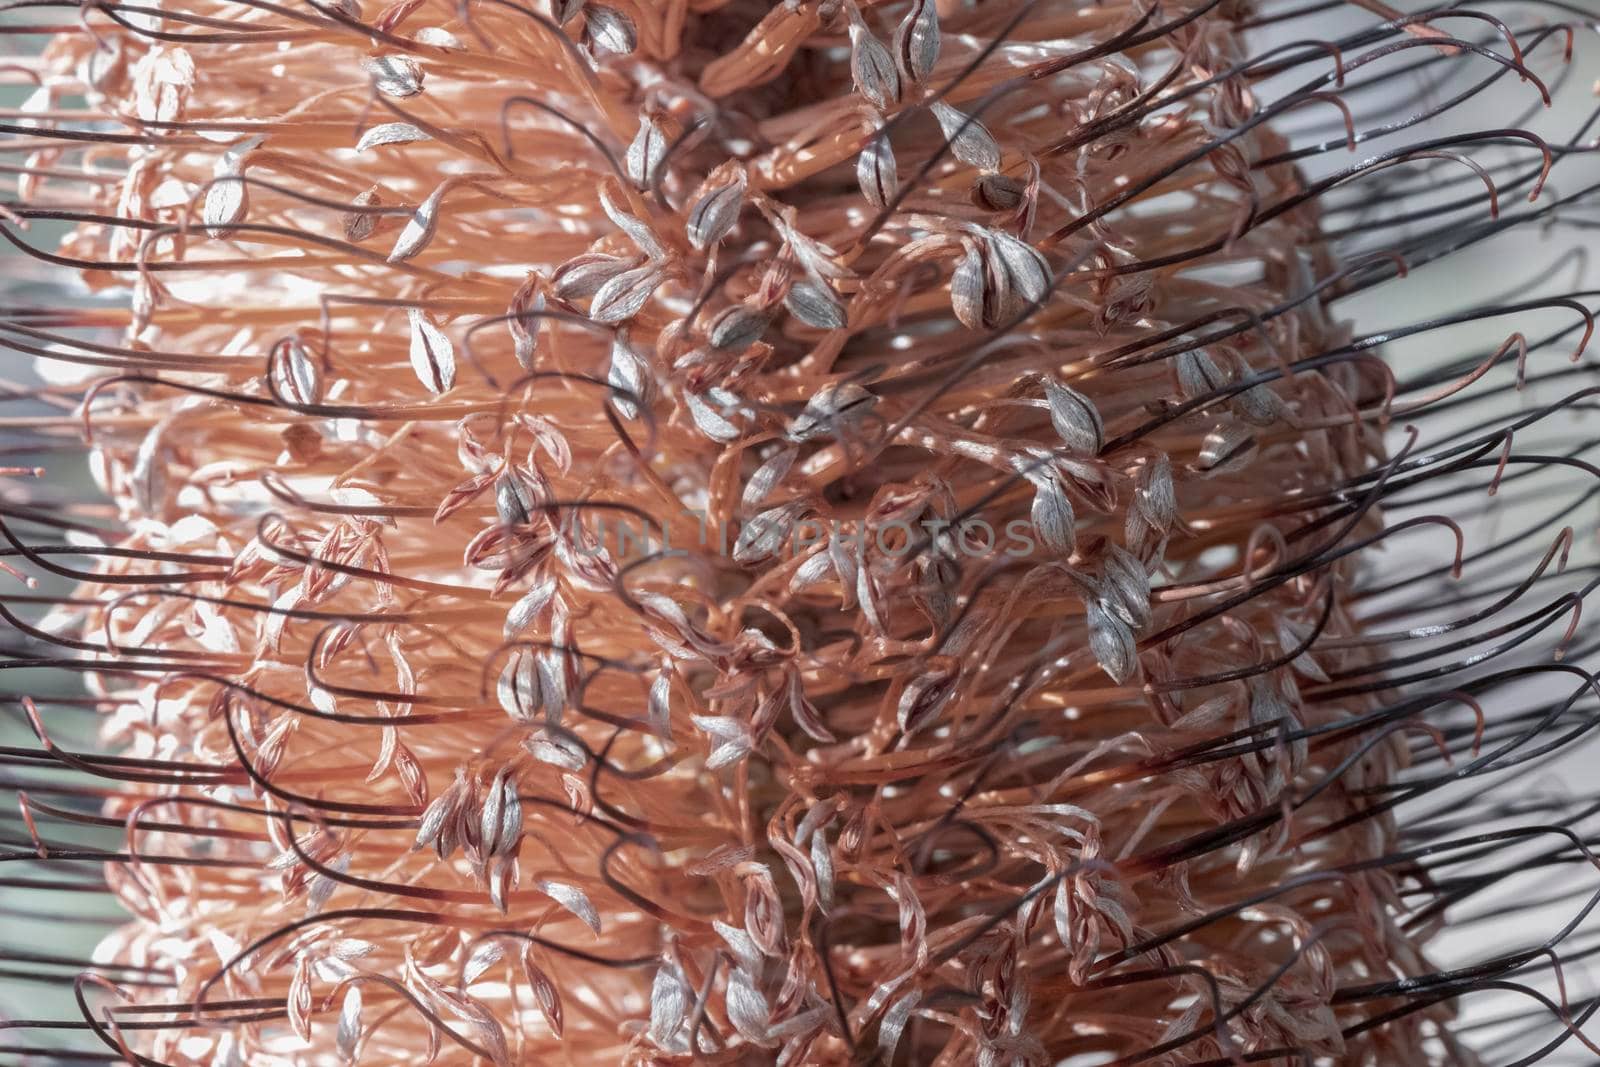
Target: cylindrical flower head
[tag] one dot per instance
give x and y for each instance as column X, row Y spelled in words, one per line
column 806, row 533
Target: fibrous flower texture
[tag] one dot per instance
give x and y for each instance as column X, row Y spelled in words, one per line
column 805, row 532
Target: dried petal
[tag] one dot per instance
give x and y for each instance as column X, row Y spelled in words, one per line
column 1127, row 587
column 924, row 697
column 433, row 818
column 485, row 955
column 822, row 866
column 485, row 1028
column 763, row 536
column 747, row 1008
column 225, row 203
column 298, row 1000
column 544, row 990
column 741, row 944
column 805, row 713
column 669, row 1003
column 558, row 751
column 1258, row 405
column 728, row 753
column 1155, row 501
column 638, row 230
column 1198, row 374
column 322, row 886
column 437, row 36
column 896, row 1017
column 510, row 823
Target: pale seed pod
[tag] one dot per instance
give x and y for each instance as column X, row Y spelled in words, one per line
column 767, row 477
column 348, row 1035
column 737, row 328
column 625, row 294
column 707, row 413
column 582, row 276
column 1017, row 272
column 227, row 197
column 610, row 30
column 997, row 192
column 1225, row 446
column 835, row 407
column 394, row 75
column 525, row 322
column 968, row 289
column 295, row 374
column 916, row 41
column 876, row 173
column 514, row 498
column 649, row 145
column 629, row 375
column 520, row 689
column 970, row 141
column 433, row 357
column 1111, row 642
column 391, row 133
column 420, row 228
column 359, row 225
column 713, row 215
column 813, row 304
column 1053, row 517
column 1075, row 418
column 872, row 67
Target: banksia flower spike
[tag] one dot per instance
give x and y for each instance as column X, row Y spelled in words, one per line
column 813, row 532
